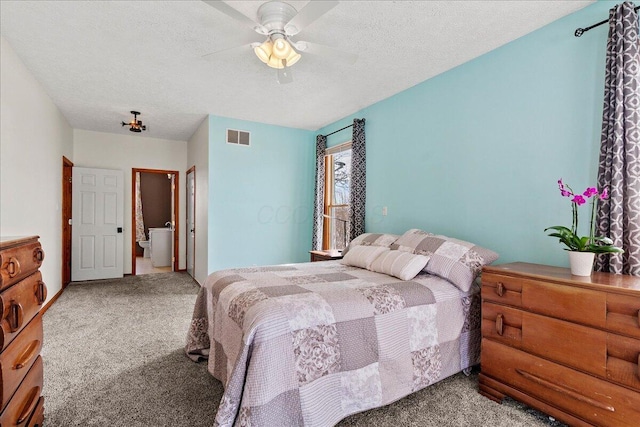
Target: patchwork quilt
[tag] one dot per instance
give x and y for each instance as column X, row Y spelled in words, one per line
column 310, row 344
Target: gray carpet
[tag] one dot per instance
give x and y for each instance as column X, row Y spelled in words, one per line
column 113, row 357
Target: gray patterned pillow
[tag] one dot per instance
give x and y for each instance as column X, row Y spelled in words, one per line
column 363, row 256
column 413, row 241
column 457, row 261
column 403, row 265
column 371, row 239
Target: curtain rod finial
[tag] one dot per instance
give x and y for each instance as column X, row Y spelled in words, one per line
column 579, row 32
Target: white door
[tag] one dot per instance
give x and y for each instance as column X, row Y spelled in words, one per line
column 98, row 218
column 191, row 223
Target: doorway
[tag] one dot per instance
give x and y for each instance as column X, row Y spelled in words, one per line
column 191, row 221
column 67, row 191
column 154, row 219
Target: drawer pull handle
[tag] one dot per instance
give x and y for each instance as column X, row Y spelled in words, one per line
column 565, row 390
column 27, row 355
column 41, row 292
column 500, row 289
column 16, row 314
column 13, row 267
column 38, row 255
column 28, row 409
column 499, row 324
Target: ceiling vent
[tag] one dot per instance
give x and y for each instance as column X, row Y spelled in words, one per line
column 238, row 137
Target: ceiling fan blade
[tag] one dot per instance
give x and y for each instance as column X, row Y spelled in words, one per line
column 246, row 47
column 238, row 16
column 324, row 50
column 244, row 43
column 284, row 75
column 312, row 11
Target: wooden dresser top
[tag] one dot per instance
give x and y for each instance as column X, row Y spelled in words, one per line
column 7, row 242
column 603, row 281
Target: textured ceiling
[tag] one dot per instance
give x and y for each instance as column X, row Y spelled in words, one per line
column 99, row 59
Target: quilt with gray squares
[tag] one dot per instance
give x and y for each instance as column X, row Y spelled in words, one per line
column 310, row 344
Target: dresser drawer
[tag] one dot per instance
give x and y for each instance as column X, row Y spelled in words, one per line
column 566, row 302
column 591, row 399
column 24, row 402
column 37, row 418
column 623, row 314
column 18, row 358
column 18, row 262
column 623, row 360
column 18, row 305
column 567, row 343
column 502, row 289
column 502, row 324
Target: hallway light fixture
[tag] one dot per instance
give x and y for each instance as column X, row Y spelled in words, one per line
column 135, row 124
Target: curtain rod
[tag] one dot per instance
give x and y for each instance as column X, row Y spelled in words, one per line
column 336, row 131
column 581, row 31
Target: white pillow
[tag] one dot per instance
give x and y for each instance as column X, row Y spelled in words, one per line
column 400, row 264
column 363, row 256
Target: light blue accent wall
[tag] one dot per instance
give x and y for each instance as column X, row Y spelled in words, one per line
column 260, row 197
column 476, row 152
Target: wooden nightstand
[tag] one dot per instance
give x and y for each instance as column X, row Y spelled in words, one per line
column 566, row 345
column 323, row 256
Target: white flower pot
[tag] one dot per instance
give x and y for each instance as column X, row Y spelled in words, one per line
column 581, row 263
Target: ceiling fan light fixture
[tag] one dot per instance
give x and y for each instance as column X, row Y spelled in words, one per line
column 275, row 62
column 281, row 47
column 263, row 52
column 293, row 58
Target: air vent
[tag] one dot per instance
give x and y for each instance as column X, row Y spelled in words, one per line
column 239, row 137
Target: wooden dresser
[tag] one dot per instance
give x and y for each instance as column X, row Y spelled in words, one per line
column 22, row 293
column 566, row 345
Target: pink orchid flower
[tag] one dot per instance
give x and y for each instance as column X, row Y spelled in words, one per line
column 590, row 191
column 579, row 200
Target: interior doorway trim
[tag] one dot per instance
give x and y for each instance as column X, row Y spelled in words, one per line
column 192, row 169
column 67, row 191
column 176, row 210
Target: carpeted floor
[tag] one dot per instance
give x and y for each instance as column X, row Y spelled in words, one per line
column 113, row 357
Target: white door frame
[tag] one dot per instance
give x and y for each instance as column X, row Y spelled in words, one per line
column 190, row 231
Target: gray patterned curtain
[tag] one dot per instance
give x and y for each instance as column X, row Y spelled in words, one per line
column 619, row 166
column 318, row 207
column 358, row 179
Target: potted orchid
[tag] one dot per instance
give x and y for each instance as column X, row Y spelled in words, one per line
column 582, row 249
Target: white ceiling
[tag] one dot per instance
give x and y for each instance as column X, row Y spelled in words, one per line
column 100, row 59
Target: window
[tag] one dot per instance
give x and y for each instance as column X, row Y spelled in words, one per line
column 337, row 191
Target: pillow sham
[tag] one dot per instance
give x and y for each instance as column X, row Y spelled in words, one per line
column 403, row 265
column 457, row 261
column 363, row 256
column 371, row 239
column 412, row 241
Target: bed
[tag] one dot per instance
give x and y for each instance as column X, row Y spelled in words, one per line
column 312, row 343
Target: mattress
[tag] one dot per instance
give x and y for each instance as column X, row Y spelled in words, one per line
column 312, row 343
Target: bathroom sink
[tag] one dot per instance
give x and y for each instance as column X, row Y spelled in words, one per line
column 160, row 242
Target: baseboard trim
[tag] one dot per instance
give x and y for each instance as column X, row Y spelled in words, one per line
column 51, row 301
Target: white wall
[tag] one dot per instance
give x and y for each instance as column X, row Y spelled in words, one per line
column 34, row 135
column 198, row 156
column 124, row 152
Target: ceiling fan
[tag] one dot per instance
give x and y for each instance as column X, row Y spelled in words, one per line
column 279, row 22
